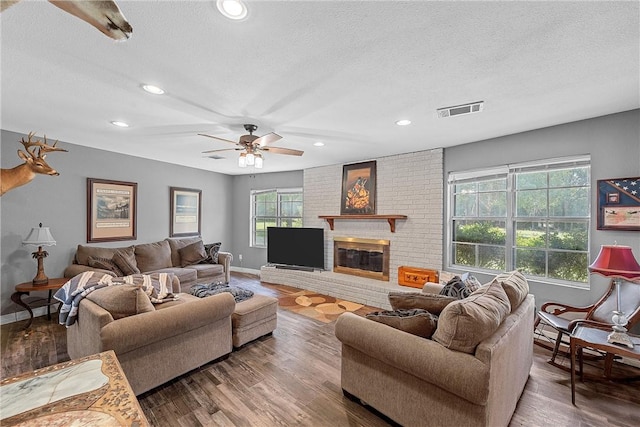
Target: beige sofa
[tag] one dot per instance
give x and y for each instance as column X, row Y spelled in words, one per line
column 154, row 343
column 419, row 381
column 157, row 257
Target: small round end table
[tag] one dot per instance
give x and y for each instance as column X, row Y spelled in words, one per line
column 24, row 288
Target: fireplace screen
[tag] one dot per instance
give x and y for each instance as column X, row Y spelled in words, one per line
column 361, row 257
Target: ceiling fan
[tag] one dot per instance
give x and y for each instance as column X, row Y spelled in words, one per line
column 252, row 147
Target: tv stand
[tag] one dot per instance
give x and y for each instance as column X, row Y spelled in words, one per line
column 295, row 267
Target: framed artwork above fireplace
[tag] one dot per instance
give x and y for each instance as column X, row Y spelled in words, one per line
column 358, row 189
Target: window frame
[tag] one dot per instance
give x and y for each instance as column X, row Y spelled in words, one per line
column 278, row 217
column 510, row 173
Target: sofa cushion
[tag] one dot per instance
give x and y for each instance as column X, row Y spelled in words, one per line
column 105, row 264
column 153, row 256
column 126, row 262
column 84, row 252
column 410, row 300
column 122, row 300
column 415, row 321
column 212, row 253
column 463, row 324
column 192, row 254
column 176, row 244
column 208, row 272
column 515, row 286
column 456, row 288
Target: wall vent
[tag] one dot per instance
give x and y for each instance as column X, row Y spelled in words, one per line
column 215, row 157
column 459, row 110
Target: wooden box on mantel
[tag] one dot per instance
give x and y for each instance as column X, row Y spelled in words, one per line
column 416, row 277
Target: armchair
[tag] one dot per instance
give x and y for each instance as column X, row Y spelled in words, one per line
column 596, row 315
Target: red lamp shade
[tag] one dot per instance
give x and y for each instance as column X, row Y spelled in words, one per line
column 616, row 261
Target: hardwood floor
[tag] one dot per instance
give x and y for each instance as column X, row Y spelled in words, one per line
column 293, row 378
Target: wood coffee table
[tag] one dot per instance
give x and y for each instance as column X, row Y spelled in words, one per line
column 584, row 336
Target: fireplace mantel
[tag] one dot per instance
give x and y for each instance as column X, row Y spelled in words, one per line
column 390, row 218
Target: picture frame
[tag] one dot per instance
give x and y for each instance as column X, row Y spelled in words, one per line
column 619, row 204
column 111, row 210
column 186, row 212
column 358, row 189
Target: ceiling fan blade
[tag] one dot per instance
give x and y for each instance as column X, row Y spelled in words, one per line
column 267, row 139
column 219, row 139
column 223, row 149
column 280, row 150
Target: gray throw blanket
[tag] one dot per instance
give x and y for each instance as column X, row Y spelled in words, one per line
column 239, row 294
column 157, row 286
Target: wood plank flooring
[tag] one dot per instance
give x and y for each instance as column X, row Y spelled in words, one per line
column 293, row 378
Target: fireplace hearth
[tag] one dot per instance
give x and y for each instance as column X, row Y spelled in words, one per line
column 361, row 257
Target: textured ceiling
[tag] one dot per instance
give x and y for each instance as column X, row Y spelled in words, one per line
column 337, row 72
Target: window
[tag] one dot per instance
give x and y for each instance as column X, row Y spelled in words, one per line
column 274, row 208
column 534, row 217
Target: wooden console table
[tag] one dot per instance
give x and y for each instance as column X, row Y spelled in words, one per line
column 91, row 390
column 390, row 218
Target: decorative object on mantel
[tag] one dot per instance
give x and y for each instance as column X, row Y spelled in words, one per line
column 619, row 204
column 111, row 210
column 618, row 263
column 358, row 189
column 40, row 236
column 390, row 218
column 33, row 164
column 416, row 277
column 186, row 212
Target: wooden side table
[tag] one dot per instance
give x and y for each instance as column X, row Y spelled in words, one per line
column 23, row 289
column 584, row 336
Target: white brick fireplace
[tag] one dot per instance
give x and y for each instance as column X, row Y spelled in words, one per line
column 407, row 184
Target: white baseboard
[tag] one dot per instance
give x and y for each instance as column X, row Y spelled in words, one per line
column 24, row 314
column 246, row 270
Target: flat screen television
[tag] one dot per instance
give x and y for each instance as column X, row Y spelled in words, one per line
column 296, row 247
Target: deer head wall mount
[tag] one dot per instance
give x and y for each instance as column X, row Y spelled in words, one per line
column 33, row 164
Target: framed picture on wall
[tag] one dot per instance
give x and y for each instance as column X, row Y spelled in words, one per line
column 186, row 207
column 358, row 189
column 111, row 210
column 619, row 204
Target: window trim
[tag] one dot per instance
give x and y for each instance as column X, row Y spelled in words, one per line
column 253, row 216
column 509, row 172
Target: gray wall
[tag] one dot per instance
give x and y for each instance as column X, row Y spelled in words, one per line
column 254, row 258
column 60, row 203
column 614, row 145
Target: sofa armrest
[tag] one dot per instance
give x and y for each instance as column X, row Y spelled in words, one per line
column 137, row 331
column 459, row 373
column 225, row 259
column 75, row 269
column 432, row 288
column 83, row 337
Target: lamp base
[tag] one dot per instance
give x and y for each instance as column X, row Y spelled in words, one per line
column 619, row 336
column 41, row 278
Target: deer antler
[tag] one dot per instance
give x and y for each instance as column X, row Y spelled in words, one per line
column 42, row 147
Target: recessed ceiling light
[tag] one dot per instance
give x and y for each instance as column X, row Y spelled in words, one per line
column 232, row 9
column 403, row 122
column 319, row 144
column 153, row 89
column 120, row 124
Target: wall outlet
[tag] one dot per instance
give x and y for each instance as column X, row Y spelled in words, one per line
column 240, row 257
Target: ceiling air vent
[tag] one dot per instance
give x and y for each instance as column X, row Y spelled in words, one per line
column 459, row 110
column 215, row 157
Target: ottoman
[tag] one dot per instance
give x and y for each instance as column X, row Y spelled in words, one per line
column 253, row 318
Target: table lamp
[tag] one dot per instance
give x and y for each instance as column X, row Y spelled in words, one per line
column 40, row 236
column 618, row 263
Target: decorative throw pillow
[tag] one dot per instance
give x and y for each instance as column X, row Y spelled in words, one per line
column 212, row 250
column 445, row 276
column 515, row 286
column 465, row 323
column 433, row 303
column 153, row 256
column 104, row 264
column 126, row 263
column 192, row 254
column 417, row 321
column 470, row 282
column 455, row 288
column 122, row 300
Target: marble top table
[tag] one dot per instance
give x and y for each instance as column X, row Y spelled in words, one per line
column 91, row 391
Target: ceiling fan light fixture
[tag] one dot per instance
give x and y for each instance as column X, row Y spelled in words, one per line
column 153, row 89
column 242, row 160
column 259, row 161
column 232, row 9
column 251, row 159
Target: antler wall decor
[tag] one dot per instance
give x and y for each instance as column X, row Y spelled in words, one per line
column 33, row 164
column 103, row 15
